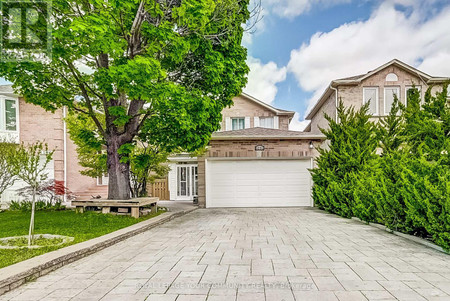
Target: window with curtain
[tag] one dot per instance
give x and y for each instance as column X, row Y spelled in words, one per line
column 370, row 95
column 237, row 123
column 266, row 122
column 389, row 95
column 8, row 114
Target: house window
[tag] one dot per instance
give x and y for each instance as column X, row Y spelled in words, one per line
column 237, row 123
column 266, row 122
column 8, row 114
column 389, row 95
column 391, row 77
column 370, row 95
column 409, row 90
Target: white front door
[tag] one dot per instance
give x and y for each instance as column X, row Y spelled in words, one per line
column 187, row 181
column 258, row 183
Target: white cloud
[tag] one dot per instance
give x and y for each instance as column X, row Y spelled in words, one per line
column 263, row 78
column 297, row 124
column 293, row 8
column 359, row 47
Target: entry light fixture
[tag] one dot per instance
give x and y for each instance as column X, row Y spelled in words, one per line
column 311, row 145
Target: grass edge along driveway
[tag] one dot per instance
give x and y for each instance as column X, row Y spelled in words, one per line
column 66, row 222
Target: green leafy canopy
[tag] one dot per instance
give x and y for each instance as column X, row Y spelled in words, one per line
column 160, row 69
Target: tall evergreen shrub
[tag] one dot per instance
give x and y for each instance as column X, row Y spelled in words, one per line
column 351, row 147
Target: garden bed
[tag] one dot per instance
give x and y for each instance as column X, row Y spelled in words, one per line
column 81, row 227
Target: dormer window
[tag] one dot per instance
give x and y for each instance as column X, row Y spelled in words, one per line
column 266, row 122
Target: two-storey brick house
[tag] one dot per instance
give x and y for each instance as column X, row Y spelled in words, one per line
column 377, row 87
column 24, row 122
column 253, row 161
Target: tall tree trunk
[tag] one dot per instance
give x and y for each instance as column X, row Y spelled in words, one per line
column 118, row 173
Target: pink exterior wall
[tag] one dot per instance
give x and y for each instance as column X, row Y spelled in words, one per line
column 36, row 124
column 76, row 182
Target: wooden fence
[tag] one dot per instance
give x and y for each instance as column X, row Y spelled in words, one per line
column 160, row 189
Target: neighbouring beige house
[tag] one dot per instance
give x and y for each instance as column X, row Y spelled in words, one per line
column 377, row 87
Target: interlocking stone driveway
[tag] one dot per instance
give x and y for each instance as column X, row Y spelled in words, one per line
column 252, row 254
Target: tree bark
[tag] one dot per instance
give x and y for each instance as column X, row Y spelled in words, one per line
column 118, row 173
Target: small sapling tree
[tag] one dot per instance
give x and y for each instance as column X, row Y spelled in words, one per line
column 29, row 164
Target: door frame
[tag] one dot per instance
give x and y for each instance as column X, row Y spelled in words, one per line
column 192, row 178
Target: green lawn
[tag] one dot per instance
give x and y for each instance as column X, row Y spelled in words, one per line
column 80, row 226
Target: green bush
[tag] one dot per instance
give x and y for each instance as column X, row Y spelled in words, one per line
column 407, row 186
column 40, row 205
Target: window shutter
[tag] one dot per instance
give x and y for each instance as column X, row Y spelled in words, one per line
column 247, row 122
column 255, row 121
column 227, row 124
column 276, row 122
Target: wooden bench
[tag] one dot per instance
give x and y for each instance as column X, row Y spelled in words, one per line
column 134, row 204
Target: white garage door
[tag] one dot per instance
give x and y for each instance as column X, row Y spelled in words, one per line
column 258, row 183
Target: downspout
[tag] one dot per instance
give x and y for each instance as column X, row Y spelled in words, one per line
column 336, row 100
column 65, row 151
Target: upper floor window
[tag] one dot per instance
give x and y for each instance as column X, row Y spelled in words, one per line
column 237, row 123
column 266, row 122
column 8, row 114
column 389, row 95
column 370, row 95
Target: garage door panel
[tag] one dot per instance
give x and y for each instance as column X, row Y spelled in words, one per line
column 258, row 183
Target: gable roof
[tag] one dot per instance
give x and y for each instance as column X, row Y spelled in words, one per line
column 258, row 133
column 265, row 105
column 355, row 80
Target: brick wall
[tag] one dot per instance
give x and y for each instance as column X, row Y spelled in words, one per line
column 38, row 124
column 243, row 107
column 329, row 107
column 352, row 95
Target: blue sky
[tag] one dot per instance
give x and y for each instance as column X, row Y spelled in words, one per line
column 301, row 45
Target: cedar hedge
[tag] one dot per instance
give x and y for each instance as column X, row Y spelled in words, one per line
column 394, row 172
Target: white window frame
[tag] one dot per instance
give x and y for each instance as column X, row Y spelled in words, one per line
column 233, row 118
column 384, row 100
column 418, row 87
column 4, row 133
column 377, row 109
column 264, row 118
